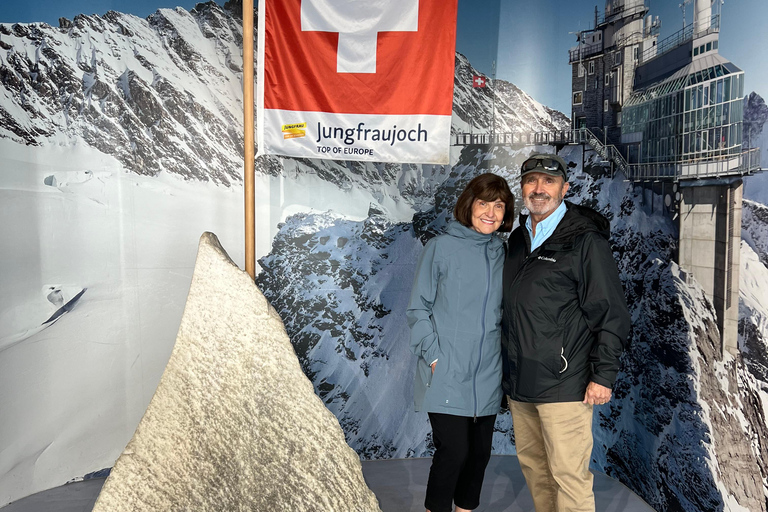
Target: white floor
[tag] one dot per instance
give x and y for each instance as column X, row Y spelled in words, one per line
column 399, row 484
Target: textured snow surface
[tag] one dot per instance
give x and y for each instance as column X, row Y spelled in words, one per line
column 234, row 423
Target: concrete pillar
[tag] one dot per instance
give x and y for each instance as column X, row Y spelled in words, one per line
column 710, row 234
column 731, row 341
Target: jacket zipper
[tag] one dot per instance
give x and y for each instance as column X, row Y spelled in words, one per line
column 528, row 243
column 520, row 271
column 482, row 338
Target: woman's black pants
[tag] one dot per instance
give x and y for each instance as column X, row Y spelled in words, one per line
column 462, row 451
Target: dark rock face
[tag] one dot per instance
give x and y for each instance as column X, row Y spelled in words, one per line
column 753, row 340
column 755, row 115
column 754, row 225
column 753, row 345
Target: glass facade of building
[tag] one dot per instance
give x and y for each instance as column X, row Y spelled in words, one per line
column 697, row 116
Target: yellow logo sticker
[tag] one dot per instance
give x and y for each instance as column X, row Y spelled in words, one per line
column 292, row 131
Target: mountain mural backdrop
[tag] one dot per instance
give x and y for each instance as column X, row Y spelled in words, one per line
column 121, row 142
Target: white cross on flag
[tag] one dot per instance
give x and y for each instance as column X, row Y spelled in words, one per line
column 356, row 79
column 478, row 81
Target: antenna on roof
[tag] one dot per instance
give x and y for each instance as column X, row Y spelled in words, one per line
column 682, row 7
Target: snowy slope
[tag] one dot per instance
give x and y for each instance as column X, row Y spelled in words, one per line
column 132, row 88
column 753, row 307
column 754, row 222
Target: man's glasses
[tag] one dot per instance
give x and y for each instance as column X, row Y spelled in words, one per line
column 549, row 164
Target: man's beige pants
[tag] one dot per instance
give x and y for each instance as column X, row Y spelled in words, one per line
column 554, row 445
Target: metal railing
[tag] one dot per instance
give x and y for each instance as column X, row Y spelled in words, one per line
column 723, row 165
column 514, row 138
column 619, row 11
column 680, row 37
column 584, row 51
column 608, row 152
column 726, row 165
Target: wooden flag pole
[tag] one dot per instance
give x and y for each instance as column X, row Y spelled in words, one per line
column 250, row 150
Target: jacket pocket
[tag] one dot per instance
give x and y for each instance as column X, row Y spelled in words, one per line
column 558, row 363
column 441, row 368
column 426, row 373
column 530, row 377
column 540, row 367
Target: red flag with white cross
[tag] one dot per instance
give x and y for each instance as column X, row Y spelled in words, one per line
column 348, row 79
column 479, row 81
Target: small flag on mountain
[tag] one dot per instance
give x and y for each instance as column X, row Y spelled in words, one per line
column 478, row 81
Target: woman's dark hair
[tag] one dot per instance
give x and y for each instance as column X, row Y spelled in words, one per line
column 486, row 187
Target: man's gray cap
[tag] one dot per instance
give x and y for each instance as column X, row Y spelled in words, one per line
column 561, row 171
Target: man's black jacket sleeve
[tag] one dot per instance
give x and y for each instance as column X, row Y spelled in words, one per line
column 602, row 301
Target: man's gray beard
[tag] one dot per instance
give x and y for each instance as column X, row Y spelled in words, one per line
column 557, row 203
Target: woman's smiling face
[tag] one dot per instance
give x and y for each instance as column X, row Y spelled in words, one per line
column 487, row 216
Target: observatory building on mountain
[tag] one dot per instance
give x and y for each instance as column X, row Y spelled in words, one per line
column 671, row 111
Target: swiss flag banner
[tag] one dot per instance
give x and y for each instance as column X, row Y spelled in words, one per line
column 478, row 81
column 356, row 79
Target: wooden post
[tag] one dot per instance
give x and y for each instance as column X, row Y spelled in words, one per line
column 248, row 134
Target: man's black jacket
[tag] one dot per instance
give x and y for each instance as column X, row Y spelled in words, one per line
column 565, row 319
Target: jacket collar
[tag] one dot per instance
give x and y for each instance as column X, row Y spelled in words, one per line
column 461, row 231
column 577, row 220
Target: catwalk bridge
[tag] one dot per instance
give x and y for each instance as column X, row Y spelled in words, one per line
column 740, row 164
column 557, row 138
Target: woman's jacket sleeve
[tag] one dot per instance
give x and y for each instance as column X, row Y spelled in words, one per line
column 424, row 339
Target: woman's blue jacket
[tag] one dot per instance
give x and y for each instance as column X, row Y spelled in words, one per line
column 455, row 316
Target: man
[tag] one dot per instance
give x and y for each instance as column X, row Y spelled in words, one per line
column 564, row 325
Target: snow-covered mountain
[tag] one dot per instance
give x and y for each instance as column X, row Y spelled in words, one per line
column 120, row 142
column 510, row 109
column 755, row 116
column 753, row 308
column 161, row 94
column 164, row 95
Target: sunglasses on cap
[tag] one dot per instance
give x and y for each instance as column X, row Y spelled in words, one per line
column 549, row 164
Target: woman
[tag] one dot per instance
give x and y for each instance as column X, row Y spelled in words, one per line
column 454, row 315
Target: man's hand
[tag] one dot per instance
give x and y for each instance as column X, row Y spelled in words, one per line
column 597, row 394
column 433, row 367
